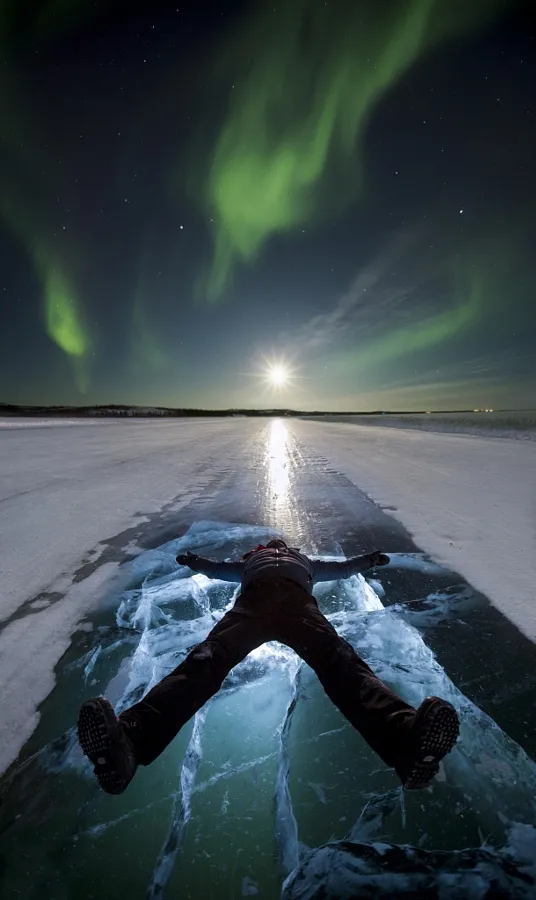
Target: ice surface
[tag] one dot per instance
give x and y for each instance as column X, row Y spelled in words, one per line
column 466, row 500
column 344, row 870
column 513, row 424
column 181, row 811
column 68, row 495
column 268, row 782
column 91, row 491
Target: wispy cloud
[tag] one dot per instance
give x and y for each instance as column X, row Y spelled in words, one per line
column 418, row 327
column 378, row 295
column 474, row 393
column 408, row 291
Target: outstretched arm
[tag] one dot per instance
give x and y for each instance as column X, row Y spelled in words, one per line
column 224, row 571
column 331, row 571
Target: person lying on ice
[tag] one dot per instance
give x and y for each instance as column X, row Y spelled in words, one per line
column 275, row 604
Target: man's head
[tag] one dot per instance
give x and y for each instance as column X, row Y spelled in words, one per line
column 275, row 544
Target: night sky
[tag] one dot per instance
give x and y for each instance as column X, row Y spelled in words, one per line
column 192, row 194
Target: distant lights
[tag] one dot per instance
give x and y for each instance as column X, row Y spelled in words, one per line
column 482, row 410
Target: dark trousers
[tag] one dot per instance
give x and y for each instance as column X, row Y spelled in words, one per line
column 272, row 610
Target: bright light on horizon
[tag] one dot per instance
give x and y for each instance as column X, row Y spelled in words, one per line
column 278, row 375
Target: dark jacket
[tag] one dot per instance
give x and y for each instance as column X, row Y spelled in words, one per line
column 282, row 563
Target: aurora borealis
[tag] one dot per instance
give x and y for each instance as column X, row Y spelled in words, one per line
column 347, row 188
column 301, row 112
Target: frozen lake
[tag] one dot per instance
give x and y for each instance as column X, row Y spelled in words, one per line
column 268, row 790
column 513, row 424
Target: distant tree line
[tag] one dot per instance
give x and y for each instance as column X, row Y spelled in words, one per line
column 123, row 411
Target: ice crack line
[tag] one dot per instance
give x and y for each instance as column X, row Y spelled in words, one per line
column 180, row 814
column 286, row 828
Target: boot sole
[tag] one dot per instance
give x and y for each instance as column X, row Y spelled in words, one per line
column 100, row 739
column 439, row 735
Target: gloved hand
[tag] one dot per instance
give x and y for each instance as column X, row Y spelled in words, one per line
column 187, row 559
column 378, row 559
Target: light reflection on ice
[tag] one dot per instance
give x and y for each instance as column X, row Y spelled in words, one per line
column 277, row 456
column 281, row 510
column 273, row 652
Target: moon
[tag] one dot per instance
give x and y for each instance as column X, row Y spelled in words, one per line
column 278, row 375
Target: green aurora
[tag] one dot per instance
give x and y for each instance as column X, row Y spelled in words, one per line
column 24, row 207
column 293, row 136
column 431, row 331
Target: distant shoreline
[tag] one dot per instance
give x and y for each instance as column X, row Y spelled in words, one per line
column 519, row 425
column 124, row 411
column 512, row 424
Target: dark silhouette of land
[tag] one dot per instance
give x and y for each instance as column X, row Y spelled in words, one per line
column 122, row 411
